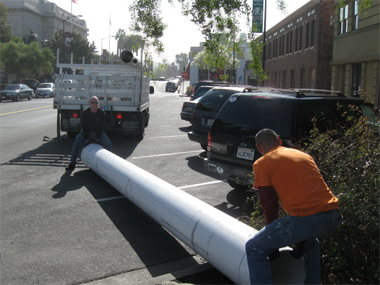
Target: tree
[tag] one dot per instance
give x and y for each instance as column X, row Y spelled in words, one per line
column 80, row 48
column 5, row 28
column 220, row 59
column 26, row 60
column 182, row 59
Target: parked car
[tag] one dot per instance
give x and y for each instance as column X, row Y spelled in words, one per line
column 200, row 92
column 231, row 146
column 171, row 86
column 187, row 109
column 16, row 92
column 198, row 84
column 45, row 90
column 208, row 106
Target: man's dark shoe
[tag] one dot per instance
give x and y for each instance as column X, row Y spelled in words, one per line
column 70, row 167
column 298, row 249
column 274, row 255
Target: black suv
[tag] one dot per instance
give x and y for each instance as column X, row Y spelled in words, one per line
column 208, row 106
column 231, row 146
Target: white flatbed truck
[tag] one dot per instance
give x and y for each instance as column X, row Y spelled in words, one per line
column 123, row 91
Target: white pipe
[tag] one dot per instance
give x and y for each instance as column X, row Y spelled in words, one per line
column 216, row 236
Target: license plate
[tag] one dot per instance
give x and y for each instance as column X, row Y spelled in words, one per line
column 106, row 108
column 245, row 153
column 209, row 122
column 74, row 121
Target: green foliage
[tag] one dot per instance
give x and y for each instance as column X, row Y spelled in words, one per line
column 80, row 48
column 26, row 60
column 182, row 59
column 5, row 28
column 349, row 160
column 256, row 54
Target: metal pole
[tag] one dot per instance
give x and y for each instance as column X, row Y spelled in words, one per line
column 216, row 236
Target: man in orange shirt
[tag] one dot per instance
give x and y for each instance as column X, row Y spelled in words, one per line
column 291, row 178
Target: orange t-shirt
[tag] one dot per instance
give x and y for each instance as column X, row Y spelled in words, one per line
column 299, row 185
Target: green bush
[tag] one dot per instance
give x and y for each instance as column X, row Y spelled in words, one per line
column 349, row 159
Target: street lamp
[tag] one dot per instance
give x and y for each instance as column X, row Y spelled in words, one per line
column 109, row 52
column 63, row 28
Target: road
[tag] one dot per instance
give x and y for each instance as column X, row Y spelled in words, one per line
column 61, row 227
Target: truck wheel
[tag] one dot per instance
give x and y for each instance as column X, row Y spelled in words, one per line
column 30, row 96
column 18, row 98
column 140, row 136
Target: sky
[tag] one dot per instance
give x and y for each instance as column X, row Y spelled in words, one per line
column 179, row 36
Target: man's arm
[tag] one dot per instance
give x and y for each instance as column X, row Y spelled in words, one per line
column 85, row 125
column 99, row 129
column 269, row 203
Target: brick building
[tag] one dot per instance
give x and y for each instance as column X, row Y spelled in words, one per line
column 356, row 50
column 298, row 50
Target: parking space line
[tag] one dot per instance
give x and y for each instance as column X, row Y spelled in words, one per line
column 202, row 184
column 165, row 154
column 164, row 137
column 110, row 198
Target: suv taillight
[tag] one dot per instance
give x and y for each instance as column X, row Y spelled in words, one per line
column 119, row 116
column 209, row 143
column 75, row 114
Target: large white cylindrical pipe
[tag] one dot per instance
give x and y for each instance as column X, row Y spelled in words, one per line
column 216, row 236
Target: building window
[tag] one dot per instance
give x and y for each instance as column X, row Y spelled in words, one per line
column 355, row 20
column 307, row 35
column 292, row 78
column 287, row 43
column 291, row 42
column 312, row 31
column 312, row 78
column 300, row 39
column 343, row 19
column 303, row 78
column 283, row 79
column 282, row 45
column 296, row 43
column 356, row 78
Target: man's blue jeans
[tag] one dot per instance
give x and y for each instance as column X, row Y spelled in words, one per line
column 79, row 143
column 285, row 232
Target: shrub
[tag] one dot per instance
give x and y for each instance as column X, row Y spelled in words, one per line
column 349, row 161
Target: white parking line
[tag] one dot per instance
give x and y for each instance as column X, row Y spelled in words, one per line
column 110, row 198
column 201, row 184
column 164, row 137
column 165, row 154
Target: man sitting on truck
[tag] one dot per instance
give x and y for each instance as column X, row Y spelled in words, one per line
column 92, row 122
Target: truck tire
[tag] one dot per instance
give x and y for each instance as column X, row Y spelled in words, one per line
column 30, row 96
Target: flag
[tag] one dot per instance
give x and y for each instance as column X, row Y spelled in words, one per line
column 75, row 1
column 110, row 22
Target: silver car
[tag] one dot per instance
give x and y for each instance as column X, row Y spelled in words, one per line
column 45, row 90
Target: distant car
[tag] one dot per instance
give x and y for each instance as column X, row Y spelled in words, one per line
column 16, row 92
column 187, row 109
column 171, row 86
column 45, row 90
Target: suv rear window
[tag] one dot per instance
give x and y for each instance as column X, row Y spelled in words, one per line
column 273, row 113
column 214, row 100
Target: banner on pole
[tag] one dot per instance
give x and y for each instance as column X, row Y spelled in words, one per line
column 257, row 15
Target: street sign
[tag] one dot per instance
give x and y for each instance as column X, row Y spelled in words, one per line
column 184, row 74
